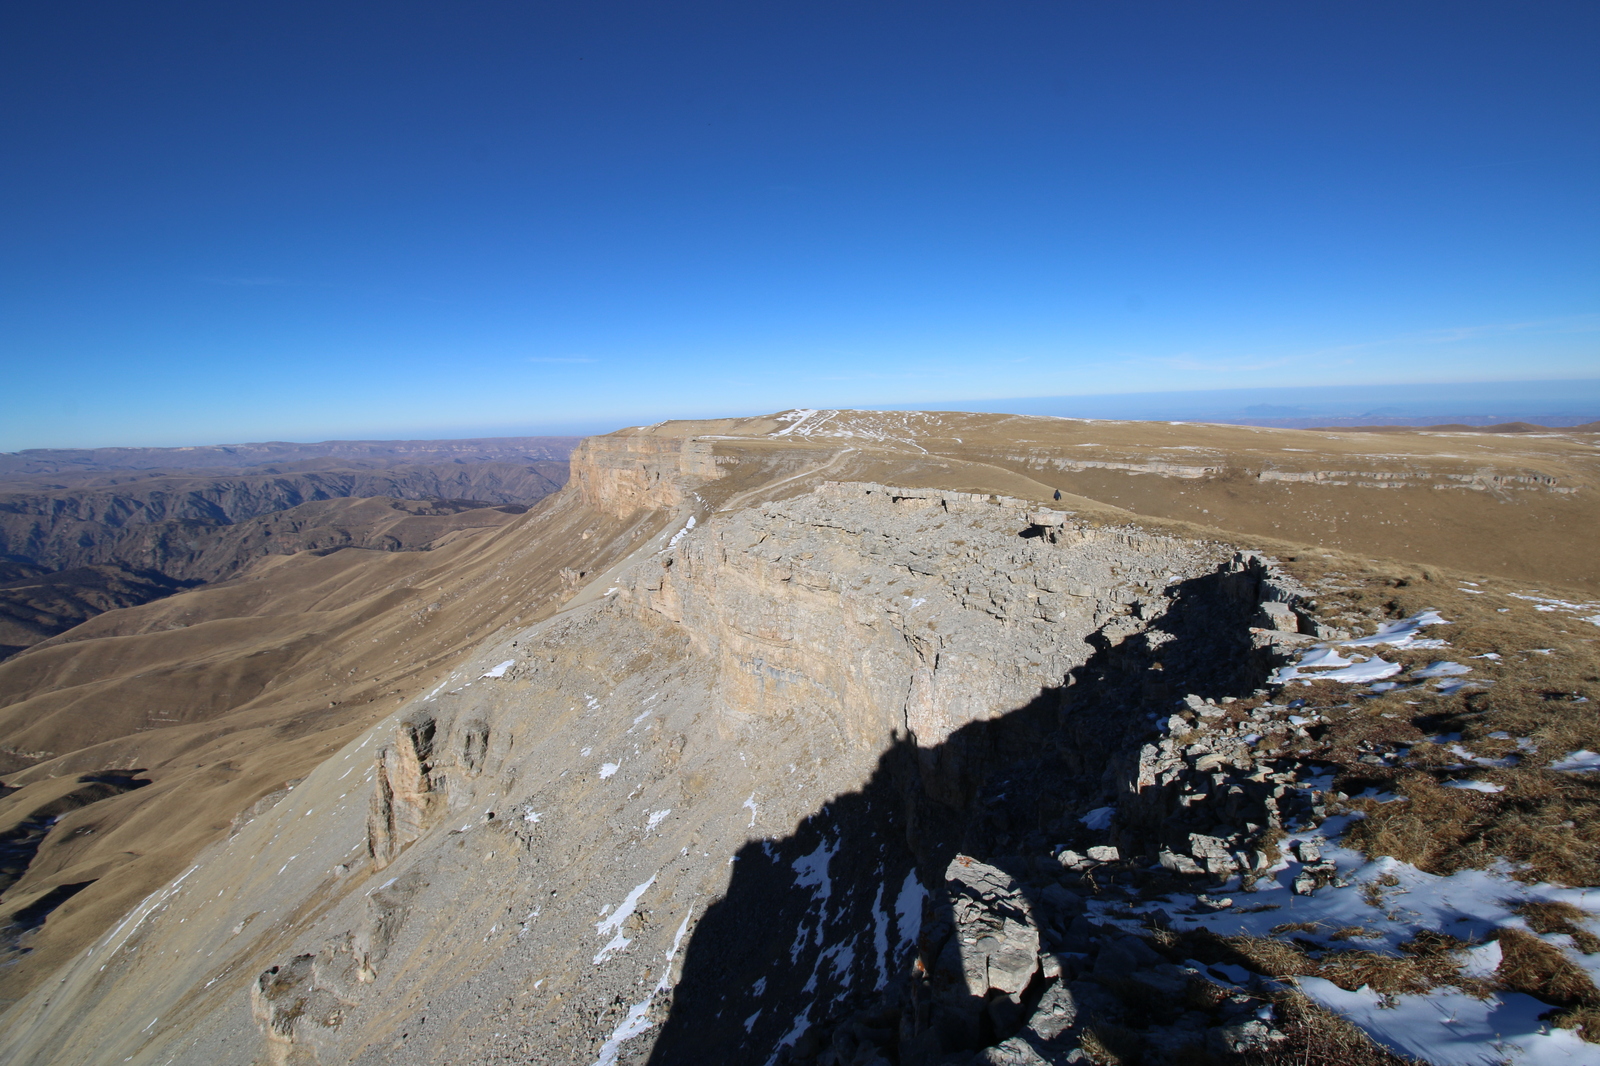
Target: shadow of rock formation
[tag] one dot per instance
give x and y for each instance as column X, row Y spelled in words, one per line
column 938, row 911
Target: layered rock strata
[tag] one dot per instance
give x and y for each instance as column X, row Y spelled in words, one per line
column 713, row 806
column 867, row 639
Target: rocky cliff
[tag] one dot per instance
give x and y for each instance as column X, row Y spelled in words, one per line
column 761, row 759
column 849, row 643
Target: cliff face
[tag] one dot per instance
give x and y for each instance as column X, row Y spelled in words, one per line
column 722, row 796
column 623, row 473
column 568, row 801
column 885, row 611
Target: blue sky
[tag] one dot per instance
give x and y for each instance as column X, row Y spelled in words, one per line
column 248, row 221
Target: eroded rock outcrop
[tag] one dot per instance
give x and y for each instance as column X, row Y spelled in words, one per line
column 714, row 805
column 930, row 633
column 405, row 800
column 623, row 473
column 884, row 610
column 949, row 640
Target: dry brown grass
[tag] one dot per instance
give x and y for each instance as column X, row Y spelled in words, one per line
column 1586, row 1020
column 1319, row 1038
column 1111, row 1045
column 1355, row 932
column 1426, row 961
column 1528, row 964
column 1372, row 891
column 1271, row 957
column 1546, row 822
column 1202, row 995
column 1553, row 916
column 1390, row 974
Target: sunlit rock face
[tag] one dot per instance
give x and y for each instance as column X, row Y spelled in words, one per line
column 788, row 708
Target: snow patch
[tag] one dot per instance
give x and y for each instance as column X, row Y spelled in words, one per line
column 811, row 871
column 1324, row 658
column 1099, row 819
column 638, row 1018
column 1401, row 634
column 796, row 419
column 1476, row 786
column 680, row 534
column 613, row 924
column 1373, row 669
column 908, row 910
column 1444, row 668
column 880, row 939
column 1447, row 1027
column 1582, row 761
column 1393, row 901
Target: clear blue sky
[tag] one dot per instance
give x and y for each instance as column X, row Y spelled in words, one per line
column 244, row 220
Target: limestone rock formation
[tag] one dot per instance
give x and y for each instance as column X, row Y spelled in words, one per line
column 784, row 740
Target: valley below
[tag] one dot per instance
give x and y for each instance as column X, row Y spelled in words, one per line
column 91, row 531
column 825, row 737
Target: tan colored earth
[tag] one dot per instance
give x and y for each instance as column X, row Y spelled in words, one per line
column 228, row 693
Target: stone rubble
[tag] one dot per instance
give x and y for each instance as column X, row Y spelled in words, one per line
column 1022, row 973
column 1022, row 969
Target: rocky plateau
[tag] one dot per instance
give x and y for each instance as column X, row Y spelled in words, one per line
column 837, row 737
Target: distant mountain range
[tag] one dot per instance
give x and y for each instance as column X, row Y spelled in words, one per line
column 1563, row 403
column 84, row 531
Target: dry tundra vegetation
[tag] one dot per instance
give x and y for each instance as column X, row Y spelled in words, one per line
column 1393, row 755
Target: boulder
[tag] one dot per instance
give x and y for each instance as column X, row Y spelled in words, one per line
column 1124, row 956
column 1243, row 1037
column 1180, row 863
column 1056, row 1013
column 1213, row 853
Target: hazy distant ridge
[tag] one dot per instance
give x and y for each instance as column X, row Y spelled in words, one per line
column 35, row 462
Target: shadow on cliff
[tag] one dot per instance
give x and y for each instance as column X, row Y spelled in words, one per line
column 828, row 923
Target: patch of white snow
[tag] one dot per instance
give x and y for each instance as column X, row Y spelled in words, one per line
column 613, row 924
column 1444, row 668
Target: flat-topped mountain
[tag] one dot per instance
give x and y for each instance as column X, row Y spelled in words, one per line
column 834, row 737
